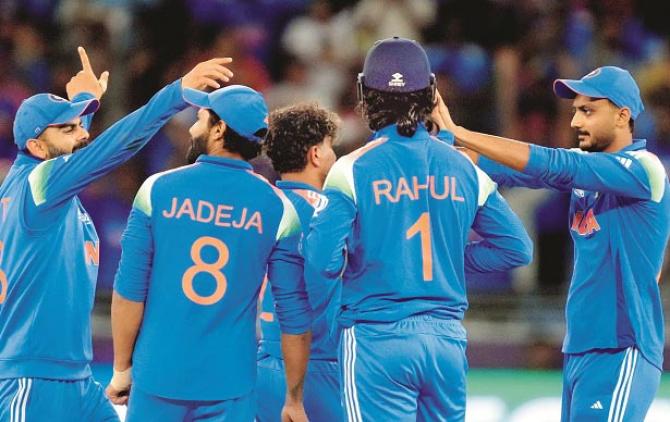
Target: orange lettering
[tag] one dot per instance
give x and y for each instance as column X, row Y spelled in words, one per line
column 172, row 211
column 422, row 226
column 417, row 186
column 265, row 316
column 255, row 221
column 433, row 188
column 202, row 205
column 4, row 202
column 186, row 208
column 220, row 214
column 240, row 223
column 200, row 266
column 92, row 252
column 454, row 195
column 379, row 191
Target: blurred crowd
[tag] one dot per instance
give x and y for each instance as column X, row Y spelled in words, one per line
column 495, row 61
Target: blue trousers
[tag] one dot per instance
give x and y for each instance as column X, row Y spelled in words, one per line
column 410, row 370
column 322, row 398
column 143, row 406
column 614, row 385
column 39, row 399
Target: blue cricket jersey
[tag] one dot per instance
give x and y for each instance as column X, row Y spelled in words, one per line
column 198, row 243
column 49, row 247
column 323, row 297
column 619, row 222
column 400, row 209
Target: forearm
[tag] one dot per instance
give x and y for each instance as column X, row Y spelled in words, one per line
column 126, row 320
column 295, row 350
column 512, row 153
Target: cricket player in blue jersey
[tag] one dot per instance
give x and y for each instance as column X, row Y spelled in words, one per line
column 198, row 243
column 619, row 222
column 299, row 143
column 49, row 246
column 398, row 214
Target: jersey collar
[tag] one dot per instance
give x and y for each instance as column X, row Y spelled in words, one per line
column 636, row 145
column 23, row 158
column 391, row 132
column 223, row 161
column 291, row 185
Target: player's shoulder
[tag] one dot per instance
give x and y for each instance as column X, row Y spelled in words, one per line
column 144, row 197
column 362, row 152
column 648, row 160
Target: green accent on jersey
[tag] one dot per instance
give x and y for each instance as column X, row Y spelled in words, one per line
column 290, row 222
column 143, row 198
column 37, row 180
column 341, row 177
column 486, row 186
column 655, row 172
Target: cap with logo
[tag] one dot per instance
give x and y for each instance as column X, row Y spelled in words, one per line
column 396, row 65
column 240, row 107
column 40, row 111
column 611, row 82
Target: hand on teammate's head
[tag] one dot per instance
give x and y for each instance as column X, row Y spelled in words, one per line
column 207, row 76
column 85, row 80
column 441, row 114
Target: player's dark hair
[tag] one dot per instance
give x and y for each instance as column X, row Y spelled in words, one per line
column 236, row 143
column 293, row 130
column 406, row 110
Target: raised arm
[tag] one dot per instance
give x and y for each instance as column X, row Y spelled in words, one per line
column 505, row 243
column 635, row 174
column 55, row 181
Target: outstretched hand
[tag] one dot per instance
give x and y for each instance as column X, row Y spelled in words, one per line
column 208, row 75
column 85, row 80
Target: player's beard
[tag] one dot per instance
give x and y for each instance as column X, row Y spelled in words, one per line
column 53, row 151
column 594, row 142
column 197, row 148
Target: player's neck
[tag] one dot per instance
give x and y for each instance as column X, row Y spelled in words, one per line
column 225, row 154
column 307, row 177
column 620, row 142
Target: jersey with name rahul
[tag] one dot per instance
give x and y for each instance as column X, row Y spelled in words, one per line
column 400, row 210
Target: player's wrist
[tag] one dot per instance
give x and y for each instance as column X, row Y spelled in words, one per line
column 121, row 380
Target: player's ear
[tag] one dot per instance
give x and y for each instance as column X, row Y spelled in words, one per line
column 313, row 155
column 36, row 148
column 623, row 117
column 219, row 129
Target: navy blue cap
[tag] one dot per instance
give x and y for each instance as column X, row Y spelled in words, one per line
column 611, row 82
column 396, row 65
column 40, row 111
column 239, row 106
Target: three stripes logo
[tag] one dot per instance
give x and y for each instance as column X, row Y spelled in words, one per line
column 597, row 405
column 626, row 162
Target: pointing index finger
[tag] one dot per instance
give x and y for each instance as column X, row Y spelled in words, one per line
column 222, row 60
column 85, row 63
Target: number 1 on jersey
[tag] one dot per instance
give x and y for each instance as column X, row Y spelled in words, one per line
column 422, row 226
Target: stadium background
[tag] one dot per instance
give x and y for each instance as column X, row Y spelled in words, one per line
column 494, row 59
